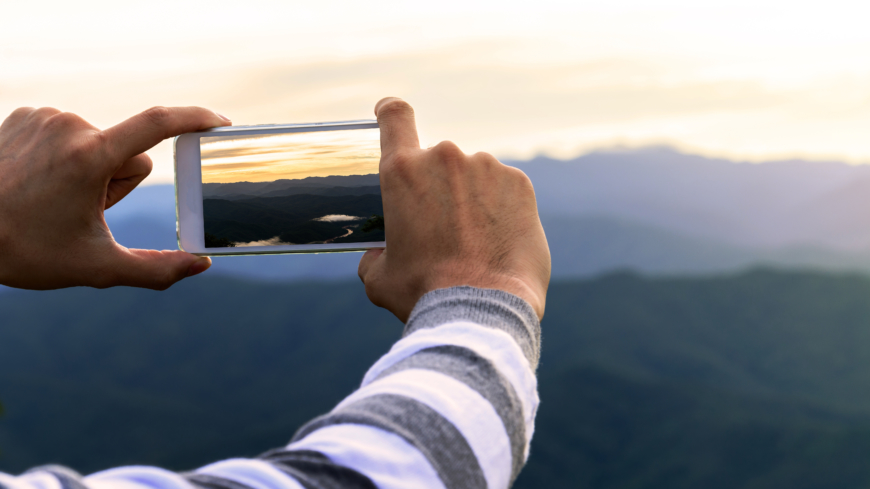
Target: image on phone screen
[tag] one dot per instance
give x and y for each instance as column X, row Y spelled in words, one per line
column 293, row 188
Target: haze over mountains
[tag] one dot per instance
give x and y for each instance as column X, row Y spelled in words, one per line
column 653, row 210
column 773, row 204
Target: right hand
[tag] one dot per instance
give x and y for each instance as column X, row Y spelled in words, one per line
column 451, row 219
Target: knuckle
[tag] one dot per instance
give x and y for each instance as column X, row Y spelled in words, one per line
column 157, row 115
column 99, row 139
column 521, row 179
column 516, row 173
column 162, row 279
column 448, row 152
column 104, row 279
column 483, row 158
column 21, row 112
column 401, row 159
column 163, row 285
column 64, row 120
column 44, row 112
column 398, row 163
column 83, row 148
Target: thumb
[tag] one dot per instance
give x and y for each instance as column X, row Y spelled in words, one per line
column 397, row 124
column 152, row 269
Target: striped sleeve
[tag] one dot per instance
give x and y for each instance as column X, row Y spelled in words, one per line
column 452, row 405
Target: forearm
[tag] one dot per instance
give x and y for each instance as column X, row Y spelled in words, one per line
column 458, row 390
column 451, row 405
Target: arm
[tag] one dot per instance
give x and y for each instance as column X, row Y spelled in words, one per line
column 453, row 403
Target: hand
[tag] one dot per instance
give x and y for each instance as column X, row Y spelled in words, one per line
column 58, row 174
column 451, row 219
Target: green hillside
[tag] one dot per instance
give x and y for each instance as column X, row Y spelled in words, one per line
column 758, row 380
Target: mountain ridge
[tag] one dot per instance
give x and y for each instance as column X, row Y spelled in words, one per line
column 750, row 204
column 257, row 189
column 654, row 210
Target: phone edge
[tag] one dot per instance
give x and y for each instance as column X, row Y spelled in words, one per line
column 266, row 129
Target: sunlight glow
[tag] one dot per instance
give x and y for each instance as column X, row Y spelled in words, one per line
column 750, row 79
column 230, row 159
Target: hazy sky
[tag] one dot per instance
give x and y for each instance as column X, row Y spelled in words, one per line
column 748, row 79
column 229, row 159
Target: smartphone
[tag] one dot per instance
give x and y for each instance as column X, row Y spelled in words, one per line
column 297, row 188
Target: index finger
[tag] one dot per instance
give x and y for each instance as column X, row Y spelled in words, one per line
column 143, row 131
column 398, row 128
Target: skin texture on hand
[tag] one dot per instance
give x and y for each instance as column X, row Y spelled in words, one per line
column 58, row 174
column 451, row 219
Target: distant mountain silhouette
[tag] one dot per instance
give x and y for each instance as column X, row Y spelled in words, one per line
column 760, row 205
column 334, row 191
column 653, row 210
column 274, row 188
column 840, row 217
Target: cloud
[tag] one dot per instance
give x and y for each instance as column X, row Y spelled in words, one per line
column 510, row 96
column 276, row 241
column 289, row 156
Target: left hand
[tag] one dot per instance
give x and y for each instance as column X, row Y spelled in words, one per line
column 58, row 174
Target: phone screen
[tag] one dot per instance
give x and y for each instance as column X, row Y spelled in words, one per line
column 293, row 188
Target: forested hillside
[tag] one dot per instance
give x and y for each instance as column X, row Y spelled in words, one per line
column 292, row 218
column 753, row 380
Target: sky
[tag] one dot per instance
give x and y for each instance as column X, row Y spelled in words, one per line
column 230, row 159
column 750, row 80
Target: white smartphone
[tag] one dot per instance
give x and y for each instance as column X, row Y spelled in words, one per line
column 299, row 188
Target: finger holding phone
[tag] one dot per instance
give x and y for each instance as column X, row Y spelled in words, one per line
column 451, row 219
column 58, row 174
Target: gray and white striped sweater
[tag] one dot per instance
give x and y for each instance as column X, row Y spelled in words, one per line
column 451, row 405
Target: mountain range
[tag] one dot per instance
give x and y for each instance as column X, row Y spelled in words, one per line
column 753, row 380
column 292, row 218
column 696, row 373
column 653, row 210
column 358, row 184
column 292, row 211
column 766, row 205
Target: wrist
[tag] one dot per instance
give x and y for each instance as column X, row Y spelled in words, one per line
column 485, row 307
column 536, row 297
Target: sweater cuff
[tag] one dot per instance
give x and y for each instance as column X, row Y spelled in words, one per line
column 486, row 307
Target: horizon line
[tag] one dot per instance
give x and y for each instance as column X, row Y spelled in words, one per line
column 627, row 149
column 290, row 179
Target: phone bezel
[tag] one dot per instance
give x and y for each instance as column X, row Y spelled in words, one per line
column 188, row 190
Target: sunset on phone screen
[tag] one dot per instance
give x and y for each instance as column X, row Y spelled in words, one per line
column 299, row 188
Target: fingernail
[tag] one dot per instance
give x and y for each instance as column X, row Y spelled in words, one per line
column 199, row 266
column 223, row 117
